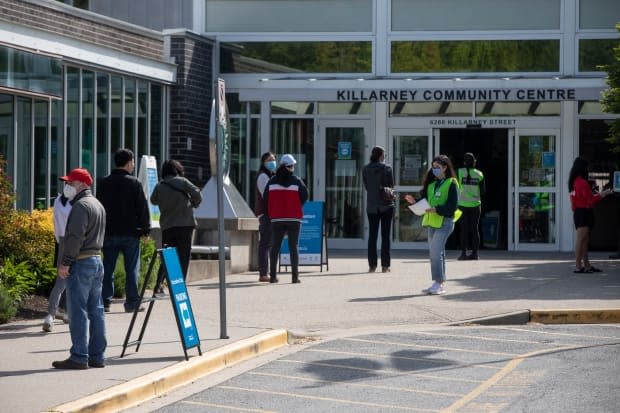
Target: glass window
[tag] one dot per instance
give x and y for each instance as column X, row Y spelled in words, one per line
column 296, row 136
column 599, row 14
column 142, row 110
column 537, row 218
column 475, row 15
column 238, row 154
column 517, row 108
column 116, row 121
column 56, row 145
column 103, row 94
column 255, row 155
column 156, row 121
column 72, row 102
column 296, row 57
column 292, row 108
column 130, row 115
column 336, row 108
column 6, row 129
column 289, row 16
column 234, row 106
column 596, row 52
column 41, row 155
column 23, row 176
column 476, row 56
column 88, row 117
column 590, row 108
column 29, row 71
column 537, row 160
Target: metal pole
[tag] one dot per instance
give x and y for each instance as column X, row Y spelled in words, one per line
column 219, row 144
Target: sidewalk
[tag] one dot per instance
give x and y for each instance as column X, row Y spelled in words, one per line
column 344, row 297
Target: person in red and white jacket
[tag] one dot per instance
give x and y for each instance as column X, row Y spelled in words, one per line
column 582, row 199
column 284, row 197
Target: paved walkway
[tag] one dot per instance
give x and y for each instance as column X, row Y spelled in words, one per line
column 345, row 297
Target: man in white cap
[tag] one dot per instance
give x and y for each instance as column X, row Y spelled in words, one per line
column 81, row 265
column 284, row 197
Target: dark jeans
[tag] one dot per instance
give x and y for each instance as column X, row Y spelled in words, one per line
column 130, row 247
column 470, row 237
column 385, row 219
column 278, row 229
column 264, row 244
column 181, row 238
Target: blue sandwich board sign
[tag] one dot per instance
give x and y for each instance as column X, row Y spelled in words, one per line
column 180, row 299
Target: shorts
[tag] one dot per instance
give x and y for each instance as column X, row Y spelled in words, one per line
column 583, row 217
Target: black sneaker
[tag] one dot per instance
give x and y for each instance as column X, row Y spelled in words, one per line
column 69, row 364
column 96, row 364
column 472, row 256
column 131, row 310
column 106, row 308
column 463, row 257
column 273, row 280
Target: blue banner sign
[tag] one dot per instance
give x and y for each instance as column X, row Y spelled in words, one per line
column 310, row 237
column 180, row 298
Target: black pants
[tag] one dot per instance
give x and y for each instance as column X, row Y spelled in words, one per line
column 264, row 244
column 385, row 219
column 278, row 230
column 470, row 237
column 181, row 238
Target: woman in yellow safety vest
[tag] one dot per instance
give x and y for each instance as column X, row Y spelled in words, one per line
column 440, row 188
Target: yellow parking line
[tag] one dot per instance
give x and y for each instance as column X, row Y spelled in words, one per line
column 328, row 399
column 392, row 372
column 349, row 383
column 491, row 353
column 513, row 364
column 429, row 360
column 227, row 407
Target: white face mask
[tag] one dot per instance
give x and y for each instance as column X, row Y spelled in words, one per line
column 69, row 191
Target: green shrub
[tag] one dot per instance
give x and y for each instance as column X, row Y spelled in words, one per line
column 8, row 307
column 17, row 279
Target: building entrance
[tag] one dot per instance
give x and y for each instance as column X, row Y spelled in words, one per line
column 490, row 147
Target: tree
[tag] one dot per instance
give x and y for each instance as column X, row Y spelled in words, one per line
column 611, row 97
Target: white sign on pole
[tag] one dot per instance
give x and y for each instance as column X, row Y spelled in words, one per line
column 221, row 102
column 147, row 175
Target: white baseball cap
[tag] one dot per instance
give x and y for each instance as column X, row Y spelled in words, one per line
column 287, row 160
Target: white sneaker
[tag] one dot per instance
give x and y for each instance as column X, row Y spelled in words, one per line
column 48, row 323
column 437, row 289
column 429, row 289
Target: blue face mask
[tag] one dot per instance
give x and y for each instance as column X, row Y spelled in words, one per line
column 270, row 165
column 436, row 172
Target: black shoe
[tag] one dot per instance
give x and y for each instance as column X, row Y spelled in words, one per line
column 372, row 269
column 473, row 256
column 462, row 257
column 96, row 364
column 296, row 280
column 131, row 310
column 385, row 269
column 273, row 280
column 69, row 364
column 106, row 308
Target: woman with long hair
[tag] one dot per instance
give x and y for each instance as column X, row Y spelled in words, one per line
column 440, row 188
column 582, row 199
column 265, row 172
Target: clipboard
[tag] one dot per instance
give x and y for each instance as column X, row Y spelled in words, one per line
column 420, row 207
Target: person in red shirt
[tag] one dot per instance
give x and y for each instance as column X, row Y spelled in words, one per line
column 582, row 199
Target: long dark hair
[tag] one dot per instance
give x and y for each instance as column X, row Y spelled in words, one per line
column 172, row 167
column 376, row 153
column 430, row 177
column 580, row 168
column 263, row 159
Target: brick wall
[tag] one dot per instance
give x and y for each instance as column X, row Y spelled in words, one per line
column 190, row 105
column 57, row 18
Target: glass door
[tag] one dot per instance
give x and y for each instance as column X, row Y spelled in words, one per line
column 339, row 158
column 409, row 155
column 536, row 190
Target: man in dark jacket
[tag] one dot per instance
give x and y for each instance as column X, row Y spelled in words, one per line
column 379, row 207
column 127, row 220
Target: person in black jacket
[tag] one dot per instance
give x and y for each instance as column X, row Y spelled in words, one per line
column 284, row 197
column 379, row 207
column 127, row 220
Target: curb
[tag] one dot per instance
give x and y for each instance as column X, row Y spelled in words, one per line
column 564, row 316
column 154, row 384
column 610, row 315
